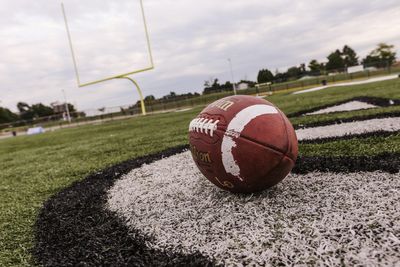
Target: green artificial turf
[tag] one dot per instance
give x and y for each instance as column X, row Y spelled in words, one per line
column 371, row 146
column 35, row 167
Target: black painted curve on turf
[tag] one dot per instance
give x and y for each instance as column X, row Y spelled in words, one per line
column 74, row 229
column 386, row 162
column 377, row 101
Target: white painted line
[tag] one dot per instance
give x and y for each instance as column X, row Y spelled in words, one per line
column 349, row 106
column 371, row 80
column 349, row 128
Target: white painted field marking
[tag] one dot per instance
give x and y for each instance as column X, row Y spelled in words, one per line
column 378, row 79
column 349, row 128
column 306, row 217
column 349, row 106
column 233, row 131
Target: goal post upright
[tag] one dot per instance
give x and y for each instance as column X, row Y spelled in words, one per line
column 120, row 76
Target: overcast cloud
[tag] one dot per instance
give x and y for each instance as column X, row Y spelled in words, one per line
column 191, row 42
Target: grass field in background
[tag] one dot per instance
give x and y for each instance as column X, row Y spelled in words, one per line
column 35, row 167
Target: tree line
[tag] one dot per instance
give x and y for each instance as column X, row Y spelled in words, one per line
column 337, row 61
column 210, row 86
column 172, row 96
column 213, row 86
column 28, row 112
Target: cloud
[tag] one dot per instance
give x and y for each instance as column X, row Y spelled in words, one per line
column 191, row 42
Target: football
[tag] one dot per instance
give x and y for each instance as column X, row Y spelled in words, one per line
column 243, row 144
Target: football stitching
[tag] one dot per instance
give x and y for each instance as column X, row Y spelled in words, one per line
column 203, row 124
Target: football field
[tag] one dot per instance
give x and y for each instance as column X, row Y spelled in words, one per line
column 126, row 192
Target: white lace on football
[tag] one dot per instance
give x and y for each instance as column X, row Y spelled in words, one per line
column 203, row 125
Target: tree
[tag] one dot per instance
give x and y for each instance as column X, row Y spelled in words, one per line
column 171, row 95
column 74, row 113
column 7, row 115
column 212, row 86
column 150, row 98
column 25, row 111
column 349, row 56
column 371, row 61
column 265, row 76
column 35, row 111
column 280, row 77
column 23, row 107
column 71, row 108
column 216, row 84
column 385, row 53
column 40, row 110
column 227, row 86
column 209, row 82
column 382, row 56
column 302, row 68
column 294, row 72
column 335, row 61
column 314, row 66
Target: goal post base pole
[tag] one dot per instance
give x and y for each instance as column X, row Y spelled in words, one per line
column 139, row 91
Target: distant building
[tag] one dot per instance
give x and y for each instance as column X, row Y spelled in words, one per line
column 371, row 69
column 58, row 107
column 355, row 69
column 242, row 86
column 61, row 109
column 396, row 64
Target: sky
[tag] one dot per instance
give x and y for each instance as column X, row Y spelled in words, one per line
column 191, row 42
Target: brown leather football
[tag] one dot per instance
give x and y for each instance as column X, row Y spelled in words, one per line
column 243, row 144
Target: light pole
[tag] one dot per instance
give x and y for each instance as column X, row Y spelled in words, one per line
column 66, row 106
column 233, row 79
